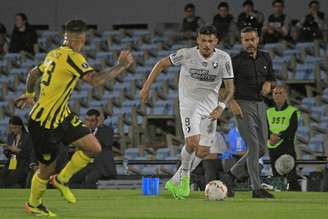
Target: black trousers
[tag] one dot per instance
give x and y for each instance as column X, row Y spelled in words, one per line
column 13, row 178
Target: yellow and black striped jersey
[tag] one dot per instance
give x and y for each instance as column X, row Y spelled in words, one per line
column 61, row 70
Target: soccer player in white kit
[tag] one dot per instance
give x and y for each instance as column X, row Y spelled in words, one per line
column 203, row 68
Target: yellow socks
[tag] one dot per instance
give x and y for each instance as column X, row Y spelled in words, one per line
column 38, row 187
column 78, row 161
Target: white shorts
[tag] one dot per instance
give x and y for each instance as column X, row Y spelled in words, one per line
column 196, row 122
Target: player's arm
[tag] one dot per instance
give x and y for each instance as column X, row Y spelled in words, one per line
column 99, row 78
column 229, row 91
column 157, row 69
column 32, row 78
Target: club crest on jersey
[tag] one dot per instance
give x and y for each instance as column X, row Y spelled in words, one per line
column 204, row 64
column 215, row 65
column 85, row 65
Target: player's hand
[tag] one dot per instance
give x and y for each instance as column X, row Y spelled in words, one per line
column 266, row 88
column 235, row 109
column 125, row 58
column 274, row 139
column 23, row 101
column 216, row 113
column 144, row 94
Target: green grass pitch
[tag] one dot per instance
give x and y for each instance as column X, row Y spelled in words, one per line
column 93, row 204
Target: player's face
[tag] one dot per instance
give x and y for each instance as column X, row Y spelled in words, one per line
column 279, row 96
column 207, row 44
column 19, row 22
column 82, row 39
column 15, row 129
column 91, row 122
column 223, row 11
column 250, row 41
column 278, row 8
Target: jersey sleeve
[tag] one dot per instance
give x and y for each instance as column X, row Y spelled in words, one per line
column 227, row 68
column 178, row 57
column 78, row 65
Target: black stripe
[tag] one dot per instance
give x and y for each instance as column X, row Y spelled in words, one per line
column 52, row 123
column 74, row 66
column 228, row 78
column 67, row 87
column 39, row 68
column 39, row 114
column 170, row 60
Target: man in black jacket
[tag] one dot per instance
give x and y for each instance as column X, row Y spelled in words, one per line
column 253, row 81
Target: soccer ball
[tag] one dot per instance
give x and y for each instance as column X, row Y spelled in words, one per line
column 215, row 190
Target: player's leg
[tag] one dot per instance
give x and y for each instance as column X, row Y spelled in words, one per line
column 38, row 187
column 190, row 125
column 88, row 147
column 201, row 144
column 74, row 132
column 45, row 145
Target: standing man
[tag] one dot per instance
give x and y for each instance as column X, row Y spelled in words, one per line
column 253, row 81
column 283, row 122
column 203, row 68
column 51, row 121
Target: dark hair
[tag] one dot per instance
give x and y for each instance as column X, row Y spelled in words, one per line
column 23, row 16
column 278, row 1
column 93, row 112
column 248, row 29
column 16, row 120
column 190, row 5
column 223, row 5
column 207, row 30
column 248, row 2
column 76, row 26
column 313, row 2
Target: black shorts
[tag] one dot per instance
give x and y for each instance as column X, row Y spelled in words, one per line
column 46, row 142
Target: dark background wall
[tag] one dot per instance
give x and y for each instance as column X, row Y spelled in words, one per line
column 106, row 13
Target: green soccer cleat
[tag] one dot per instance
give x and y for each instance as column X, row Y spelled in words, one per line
column 64, row 189
column 173, row 189
column 40, row 210
column 184, row 188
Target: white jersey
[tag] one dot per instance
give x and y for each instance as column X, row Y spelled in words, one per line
column 200, row 78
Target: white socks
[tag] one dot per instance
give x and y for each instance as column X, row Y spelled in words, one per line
column 188, row 163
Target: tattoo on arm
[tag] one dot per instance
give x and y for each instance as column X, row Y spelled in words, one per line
column 99, row 78
column 31, row 80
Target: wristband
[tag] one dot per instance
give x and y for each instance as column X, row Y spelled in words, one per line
column 222, row 105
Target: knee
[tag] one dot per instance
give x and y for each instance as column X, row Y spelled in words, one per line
column 202, row 152
column 192, row 144
column 94, row 150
